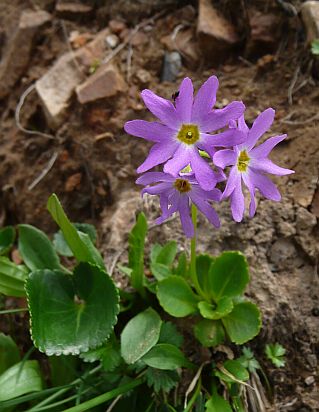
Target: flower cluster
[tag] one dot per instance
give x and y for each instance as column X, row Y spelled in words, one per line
column 189, row 127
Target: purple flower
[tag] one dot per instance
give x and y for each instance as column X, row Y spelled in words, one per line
column 250, row 165
column 184, row 128
column 176, row 193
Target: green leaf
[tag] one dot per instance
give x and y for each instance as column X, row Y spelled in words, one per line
column 9, row 352
column 217, row 404
column 71, row 314
column 212, row 311
column 60, row 244
column 176, row 297
column 155, row 250
column 160, row 271
column 136, row 251
column 236, row 370
column 203, row 264
column 167, row 254
column 243, row 323
column 79, row 242
column 181, row 269
column 161, row 380
column 169, row 334
column 12, row 278
column 7, row 237
column 139, row 335
column 167, row 357
column 275, row 353
column 315, row 47
column 24, row 377
column 108, row 354
column 209, row 332
column 228, row 275
column 36, row 249
column 248, row 360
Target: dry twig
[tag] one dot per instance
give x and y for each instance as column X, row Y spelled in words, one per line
column 44, row 172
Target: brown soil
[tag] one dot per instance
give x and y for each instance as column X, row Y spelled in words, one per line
column 94, row 176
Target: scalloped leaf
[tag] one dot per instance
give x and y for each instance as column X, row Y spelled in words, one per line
column 167, row 357
column 71, row 314
column 243, row 323
column 228, row 275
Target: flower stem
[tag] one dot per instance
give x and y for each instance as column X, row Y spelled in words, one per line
column 193, row 254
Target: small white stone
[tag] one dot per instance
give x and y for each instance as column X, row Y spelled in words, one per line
column 112, row 40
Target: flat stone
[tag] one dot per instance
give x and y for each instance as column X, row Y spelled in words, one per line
column 216, row 35
column 112, row 40
column 57, row 86
column 104, row 83
column 310, row 18
column 172, row 64
column 16, row 56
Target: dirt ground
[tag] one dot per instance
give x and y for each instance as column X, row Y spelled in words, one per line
column 93, row 162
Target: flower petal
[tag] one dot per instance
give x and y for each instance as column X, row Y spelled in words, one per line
column 184, row 101
column 180, row 159
column 267, row 166
column 265, row 148
column 206, row 209
column 153, row 131
column 161, row 108
column 251, row 188
column 186, row 219
column 266, row 187
column 231, row 137
column 242, row 126
column 237, row 202
column 214, row 194
column 260, row 126
column 158, row 189
column 173, row 200
column 203, row 172
column 224, row 158
column 233, row 177
column 205, row 99
column 158, row 154
column 220, row 118
column 154, row 177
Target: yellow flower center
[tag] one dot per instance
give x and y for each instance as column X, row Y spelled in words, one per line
column 188, row 133
column 243, row 161
column 182, row 185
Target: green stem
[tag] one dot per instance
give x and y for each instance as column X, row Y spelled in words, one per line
column 98, row 400
column 193, row 254
column 63, row 390
column 4, row 312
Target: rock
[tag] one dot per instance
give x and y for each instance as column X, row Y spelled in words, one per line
column 282, row 252
column 105, row 82
column 143, row 77
column 310, row 18
column 139, row 39
column 72, row 10
column 310, row 380
column 265, row 31
column 16, row 57
column 57, row 86
column 216, row 35
column 286, row 229
column 172, row 64
column 186, row 44
column 112, row 40
column 117, row 26
column 305, row 220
